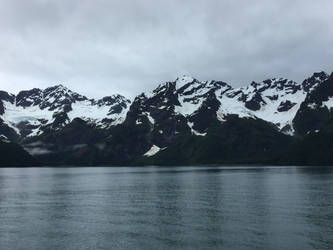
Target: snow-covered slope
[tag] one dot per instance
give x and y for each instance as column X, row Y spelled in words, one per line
column 273, row 100
column 33, row 111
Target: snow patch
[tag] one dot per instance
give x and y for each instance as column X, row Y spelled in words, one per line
column 312, row 105
column 37, row 151
column 150, row 118
column 194, row 132
column 153, row 151
column 4, row 138
column 187, row 108
column 328, row 103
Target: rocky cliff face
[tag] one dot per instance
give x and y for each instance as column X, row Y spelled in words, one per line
column 315, row 112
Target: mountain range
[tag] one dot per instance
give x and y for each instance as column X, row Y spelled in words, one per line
column 187, row 121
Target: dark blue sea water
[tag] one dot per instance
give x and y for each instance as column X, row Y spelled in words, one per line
column 166, row 208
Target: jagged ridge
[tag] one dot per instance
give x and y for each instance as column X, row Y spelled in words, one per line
column 110, row 130
column 32, row 112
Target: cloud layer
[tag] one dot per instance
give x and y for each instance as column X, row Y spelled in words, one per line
column 101, row 47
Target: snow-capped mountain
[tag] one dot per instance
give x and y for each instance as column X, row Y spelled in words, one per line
column 187, row 119
column 198, row 103
column 32, row 112
column 190, row 105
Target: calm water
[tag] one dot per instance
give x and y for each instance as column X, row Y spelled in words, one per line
column 166, row 208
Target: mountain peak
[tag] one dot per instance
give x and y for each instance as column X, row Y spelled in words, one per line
column 183, row 80
column 61, row 91
column 112, row 99
column 316, row 78
column 61, row 86
column 321, row 74
column 58, row 88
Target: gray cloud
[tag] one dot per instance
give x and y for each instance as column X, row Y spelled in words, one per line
column 103, row 47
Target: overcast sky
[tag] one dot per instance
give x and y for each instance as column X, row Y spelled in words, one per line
column 101, row 47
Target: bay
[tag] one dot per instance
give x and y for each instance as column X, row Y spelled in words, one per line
column 201, row 207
